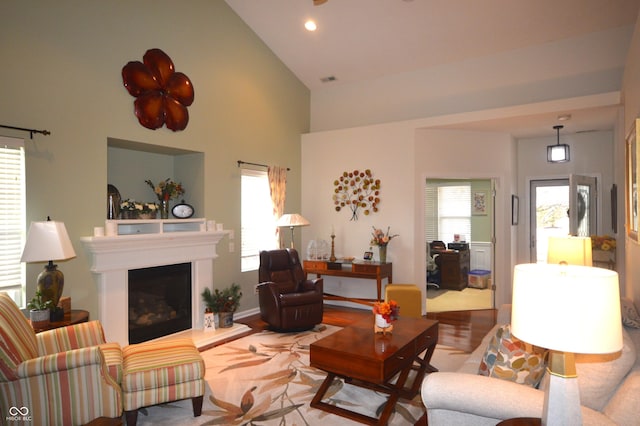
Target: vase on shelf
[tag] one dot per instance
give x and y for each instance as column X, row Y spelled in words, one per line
column 382, row 254
column 164, row 209
column 149, row 215
column 128, row 214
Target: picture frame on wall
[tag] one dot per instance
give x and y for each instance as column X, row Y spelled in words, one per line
column 479, row 203
column 631, row 169
column 515, row 209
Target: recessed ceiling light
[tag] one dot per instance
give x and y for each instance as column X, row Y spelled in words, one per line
column 564, row 117
column 310, row 25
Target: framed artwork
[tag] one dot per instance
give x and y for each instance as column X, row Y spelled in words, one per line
column 479, row 203
column 515, row 209
column 631, row 169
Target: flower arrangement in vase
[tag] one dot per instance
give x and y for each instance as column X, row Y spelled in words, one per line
column 603, row 251
column 131, row 209
column 603, row 242
column 166, row 190
column 382, row 239
column 385, row 313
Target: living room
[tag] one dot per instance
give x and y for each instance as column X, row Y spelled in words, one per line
column 62, row 72
column 249, row 106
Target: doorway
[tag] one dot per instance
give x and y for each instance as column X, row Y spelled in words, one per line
column 459, row 242
column 561, row 207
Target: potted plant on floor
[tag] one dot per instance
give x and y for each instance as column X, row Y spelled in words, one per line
column 223, row 303
column 39, row 310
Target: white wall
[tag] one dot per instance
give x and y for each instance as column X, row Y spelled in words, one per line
column 386, row 150
column 631, row 91
column 591, row 155
column 402, row 156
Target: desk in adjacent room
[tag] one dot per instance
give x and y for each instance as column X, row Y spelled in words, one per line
column 363, row 269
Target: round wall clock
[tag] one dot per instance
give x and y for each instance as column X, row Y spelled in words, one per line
column 182, row 210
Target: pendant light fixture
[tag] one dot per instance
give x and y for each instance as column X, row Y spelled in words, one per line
column 558, row 153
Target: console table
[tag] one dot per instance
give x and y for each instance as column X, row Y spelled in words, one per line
column 369, row 270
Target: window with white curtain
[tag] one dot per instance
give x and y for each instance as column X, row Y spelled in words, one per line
column 12, row 217
column 447, row 211
column 258, row 225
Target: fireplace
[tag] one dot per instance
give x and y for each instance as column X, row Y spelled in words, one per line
column 152, row 244
column 159, row 301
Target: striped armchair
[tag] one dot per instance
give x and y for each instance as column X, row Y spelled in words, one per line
column 66, row 376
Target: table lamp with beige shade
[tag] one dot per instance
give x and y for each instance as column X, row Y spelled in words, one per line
column 566, row 309
column 48, row 241
column 570, row 250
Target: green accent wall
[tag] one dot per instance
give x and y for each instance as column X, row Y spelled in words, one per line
column 61, row 71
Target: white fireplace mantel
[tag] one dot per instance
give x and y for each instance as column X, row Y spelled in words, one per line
column 113, row 256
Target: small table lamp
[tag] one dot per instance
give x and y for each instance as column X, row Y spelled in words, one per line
column 570, row 250
column 292, row 220
column 567, row 309
column 46, row 242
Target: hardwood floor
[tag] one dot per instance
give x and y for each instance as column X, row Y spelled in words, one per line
column 459, row 329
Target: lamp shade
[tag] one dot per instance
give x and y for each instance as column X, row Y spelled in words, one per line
column 47, row 241
column 567, row 308
column 292, row 219
column 558, row 153
column 572, row 250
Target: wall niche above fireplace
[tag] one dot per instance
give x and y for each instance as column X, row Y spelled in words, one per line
column 130, row 163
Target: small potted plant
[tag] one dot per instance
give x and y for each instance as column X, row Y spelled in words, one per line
column 223, row 303
column 39, row 310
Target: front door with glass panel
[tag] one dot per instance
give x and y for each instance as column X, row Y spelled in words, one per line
column 582, row 205
column 561, row 207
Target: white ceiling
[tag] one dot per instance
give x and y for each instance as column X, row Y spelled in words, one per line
column 368, row 39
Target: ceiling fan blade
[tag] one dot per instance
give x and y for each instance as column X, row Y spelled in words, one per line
column 319, row 2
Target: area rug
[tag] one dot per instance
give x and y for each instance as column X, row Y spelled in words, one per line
column 443, row 300
column 265, row 379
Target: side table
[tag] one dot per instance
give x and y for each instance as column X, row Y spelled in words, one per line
column 76, row 316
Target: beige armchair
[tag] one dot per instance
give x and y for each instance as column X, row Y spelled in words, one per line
column 66, row 376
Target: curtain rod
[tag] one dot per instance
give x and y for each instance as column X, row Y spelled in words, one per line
column 240, row 163
column 31, row 131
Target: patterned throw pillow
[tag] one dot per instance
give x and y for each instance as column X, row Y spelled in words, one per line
column 509, row 358
column 630, row 316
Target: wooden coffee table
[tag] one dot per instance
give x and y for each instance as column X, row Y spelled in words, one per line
column 371, row 360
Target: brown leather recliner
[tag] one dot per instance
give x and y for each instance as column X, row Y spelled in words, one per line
column 288, row 301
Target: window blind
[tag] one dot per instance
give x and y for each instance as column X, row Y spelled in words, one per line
column 12, row 217
column 447, row 211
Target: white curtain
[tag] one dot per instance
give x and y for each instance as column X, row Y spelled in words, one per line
column 278, row 189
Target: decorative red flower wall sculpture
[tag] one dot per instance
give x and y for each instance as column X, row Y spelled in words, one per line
column 162, row 95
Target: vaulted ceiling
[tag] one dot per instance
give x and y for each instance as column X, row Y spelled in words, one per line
column 365, row 40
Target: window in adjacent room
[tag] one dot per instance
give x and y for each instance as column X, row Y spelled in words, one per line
column 12, row 217
column 447, row 211
column 258, row 227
